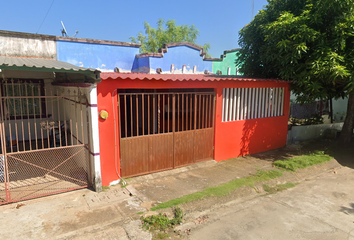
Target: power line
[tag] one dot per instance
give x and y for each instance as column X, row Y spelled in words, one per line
column 45, row 16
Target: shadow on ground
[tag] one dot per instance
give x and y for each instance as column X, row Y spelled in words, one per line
column 344, row 156
column 348, row 210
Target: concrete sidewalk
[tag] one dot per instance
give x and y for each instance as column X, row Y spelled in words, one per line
column 321, row 208
column 114, row 214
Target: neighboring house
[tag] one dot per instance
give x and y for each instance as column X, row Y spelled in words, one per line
column 48, row 120
column 185, row 58
column 225, row 65
column 97, row 54
column 150, row 112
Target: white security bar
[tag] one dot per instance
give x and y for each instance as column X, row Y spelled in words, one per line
column 252, row 103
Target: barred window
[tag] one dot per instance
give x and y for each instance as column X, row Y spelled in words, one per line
column 251, row 103
column 24, row 98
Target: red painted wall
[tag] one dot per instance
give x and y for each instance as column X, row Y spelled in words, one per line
column 239, row 138
column 232, row 139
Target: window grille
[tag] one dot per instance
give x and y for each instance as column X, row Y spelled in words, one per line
column 252, row 103
column 24, row 98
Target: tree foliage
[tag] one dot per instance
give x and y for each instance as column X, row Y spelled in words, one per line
column 310, row 42
column 166, row 32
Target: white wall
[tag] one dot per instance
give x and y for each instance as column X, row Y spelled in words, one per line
column 20, row 46
column 310, row 132
column 339, row 108
column 77, row 111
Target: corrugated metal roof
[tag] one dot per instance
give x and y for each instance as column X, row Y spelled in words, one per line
column 180, row 77
column 12, row 62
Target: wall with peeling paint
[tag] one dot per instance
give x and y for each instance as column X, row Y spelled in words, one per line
column 28, row 47
column 99, row 56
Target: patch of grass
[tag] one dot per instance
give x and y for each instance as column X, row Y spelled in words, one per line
column 278, row 188
column 162, row 235
column 223, row 189
column 303, row 161
column 139, row 213
column 161, row 221
column 105, row 188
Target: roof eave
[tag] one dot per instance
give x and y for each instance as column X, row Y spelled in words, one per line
column 90, row 76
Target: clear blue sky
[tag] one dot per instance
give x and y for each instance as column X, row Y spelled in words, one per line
column 117, row 20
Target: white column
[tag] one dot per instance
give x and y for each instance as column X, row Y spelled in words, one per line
column 94, row 139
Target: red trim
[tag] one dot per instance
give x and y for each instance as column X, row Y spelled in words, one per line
column 180, row 77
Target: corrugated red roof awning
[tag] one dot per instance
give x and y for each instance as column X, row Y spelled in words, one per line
column 180, row 77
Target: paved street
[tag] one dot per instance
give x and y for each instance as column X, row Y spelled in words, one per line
column 320, row 208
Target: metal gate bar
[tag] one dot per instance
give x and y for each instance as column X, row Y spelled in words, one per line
column 143, row 117
column 44, row 145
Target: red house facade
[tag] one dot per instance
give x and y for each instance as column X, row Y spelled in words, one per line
column 156, row 122
column 162, row 113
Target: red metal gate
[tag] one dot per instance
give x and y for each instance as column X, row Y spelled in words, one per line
column 160, row 131
column 44, row 142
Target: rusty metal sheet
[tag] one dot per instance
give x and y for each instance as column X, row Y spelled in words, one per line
column 160, row 152
column 134, row 156
column 184, row 148
column 203, row 144
column 164, row 130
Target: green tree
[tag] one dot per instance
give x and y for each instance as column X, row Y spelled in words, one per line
column 166, row 32
column 311, row 43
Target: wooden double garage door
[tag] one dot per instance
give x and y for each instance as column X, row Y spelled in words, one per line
column 161, row 131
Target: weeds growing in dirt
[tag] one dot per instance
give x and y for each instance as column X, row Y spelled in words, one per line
column 278, row 188
column 304, row 161
column 162, row 222
column 223, row 189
